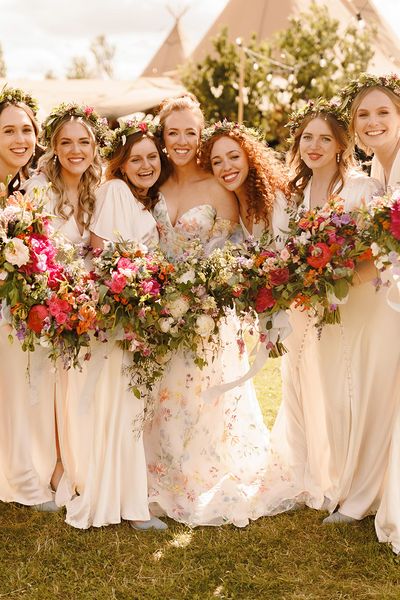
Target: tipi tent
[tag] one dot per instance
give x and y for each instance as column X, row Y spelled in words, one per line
column 170, row 54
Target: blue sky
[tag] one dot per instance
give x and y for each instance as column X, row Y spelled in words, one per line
column 42, row 35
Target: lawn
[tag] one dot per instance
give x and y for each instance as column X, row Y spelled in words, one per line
column 287, row 557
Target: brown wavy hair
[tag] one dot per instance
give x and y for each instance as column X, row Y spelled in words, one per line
column 302, row 174
column 267, row 175
column 355, row 105
column 122, row 153
column 90, row 179
column 24, row 171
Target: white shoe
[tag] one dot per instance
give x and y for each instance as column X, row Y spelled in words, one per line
column 153, row 523
column 49, row 506
column 338, row 517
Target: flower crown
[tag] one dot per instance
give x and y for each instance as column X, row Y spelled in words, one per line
column 317, row 107
column 15, row 95
column 119, row 136
column 85, row 113
column 225, row 126
column 367, row 80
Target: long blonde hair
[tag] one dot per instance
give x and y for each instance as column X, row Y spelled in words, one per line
column 90, row 179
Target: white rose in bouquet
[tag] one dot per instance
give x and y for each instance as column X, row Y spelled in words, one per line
column 165, row 324
column 16, row 253
column 204, row 325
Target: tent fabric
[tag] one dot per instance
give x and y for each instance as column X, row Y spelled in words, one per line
column 111, row 98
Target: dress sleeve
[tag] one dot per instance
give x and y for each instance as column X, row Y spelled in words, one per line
column 119, row 215
column 361, row 191
column 280, row 220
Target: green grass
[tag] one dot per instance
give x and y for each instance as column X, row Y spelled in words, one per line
column 287, row 557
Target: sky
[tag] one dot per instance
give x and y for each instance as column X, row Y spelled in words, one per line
column 38, row 36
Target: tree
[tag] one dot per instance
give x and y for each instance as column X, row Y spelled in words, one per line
column 3, row 68
column 309, row 59
column 79, row 69
column 103, row 54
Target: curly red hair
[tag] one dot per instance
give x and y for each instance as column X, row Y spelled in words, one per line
column 267, row 174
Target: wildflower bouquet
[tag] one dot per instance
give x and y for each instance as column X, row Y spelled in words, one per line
column 257, row 281
column 324, row 245
column 191, row 311
column 40, row 275
column 379, row 224
column 131, row 281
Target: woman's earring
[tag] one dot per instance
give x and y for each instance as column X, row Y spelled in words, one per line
column 338, row 155
column 55, row 158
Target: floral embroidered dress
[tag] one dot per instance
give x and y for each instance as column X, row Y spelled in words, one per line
column 205, row 458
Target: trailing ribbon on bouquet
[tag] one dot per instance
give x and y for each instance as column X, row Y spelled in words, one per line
column 394, row 286
column 278, row 332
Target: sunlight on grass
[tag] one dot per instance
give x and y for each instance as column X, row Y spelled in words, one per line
column 181, row 540
column 287, row 557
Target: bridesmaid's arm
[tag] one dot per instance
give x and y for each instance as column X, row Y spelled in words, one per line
column 364, row 272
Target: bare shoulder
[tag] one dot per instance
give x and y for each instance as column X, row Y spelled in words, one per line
column 224, row 202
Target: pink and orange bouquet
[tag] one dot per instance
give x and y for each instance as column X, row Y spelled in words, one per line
column 130, row 281
column 257, row 281
column 44, row 296
column 324, row 246
column 379, row 224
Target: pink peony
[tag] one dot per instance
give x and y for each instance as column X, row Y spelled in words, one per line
column 117, row 283
column 125, row 263
column 395, row 220
column 150, row 286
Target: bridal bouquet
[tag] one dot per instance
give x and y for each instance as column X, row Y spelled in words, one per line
column 191, row 309
column 324, row 246
column 44, row 296
column 379, row 224
column 131, row 281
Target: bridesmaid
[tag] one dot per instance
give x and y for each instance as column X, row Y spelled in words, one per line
column 205, row 459
column 108, row 467
column 71, row 164
column 339, row 411
column 26, row 429
column 244, row 165
column 374, row 104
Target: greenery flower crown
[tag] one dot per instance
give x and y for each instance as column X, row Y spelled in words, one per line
column 85, row 113
column 15, row 95
column 367, row 80
column 225, row 126
column 119, row 136
column 315, row 108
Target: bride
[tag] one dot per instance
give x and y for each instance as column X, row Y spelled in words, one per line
column 204, row 458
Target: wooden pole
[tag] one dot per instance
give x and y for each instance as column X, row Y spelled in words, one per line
column 241, row 82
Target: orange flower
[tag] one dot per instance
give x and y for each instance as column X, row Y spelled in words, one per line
column 309, row 278
column 367, row 255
